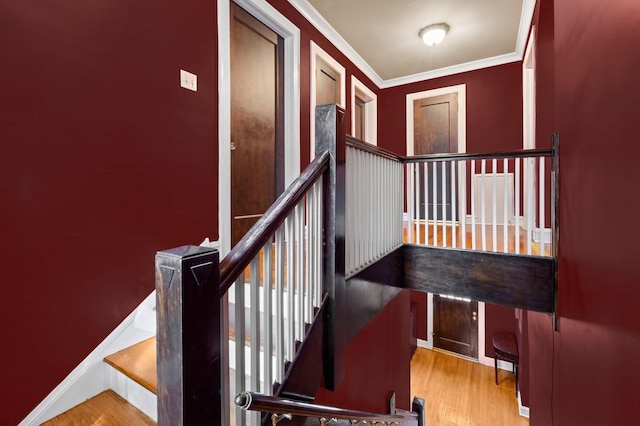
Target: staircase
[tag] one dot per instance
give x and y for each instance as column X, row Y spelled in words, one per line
column 132, row 375
column 290, row 272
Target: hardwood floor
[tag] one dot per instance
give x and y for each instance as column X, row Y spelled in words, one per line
column 445, row 233
column 105, row 409
column 458, row 392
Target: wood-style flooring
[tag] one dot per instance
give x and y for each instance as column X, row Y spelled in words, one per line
column 105, row 409
column 444, row 238
column 458, row 392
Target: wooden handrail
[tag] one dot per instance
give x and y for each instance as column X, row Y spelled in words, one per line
column 249, row 246
column 523, row 153
column 271, row 404
column 381, row 152
column 372, row 149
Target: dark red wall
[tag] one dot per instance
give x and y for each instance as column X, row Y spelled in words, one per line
column 497, row 319
column 587, row 372
column 105, row 160
column 377, row 362
column 420, row 300
column 494, row 109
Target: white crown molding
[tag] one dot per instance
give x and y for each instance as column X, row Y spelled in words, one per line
column 321, row 24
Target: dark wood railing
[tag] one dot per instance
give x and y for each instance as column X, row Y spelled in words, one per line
column 252, row 242
column 190, row 282
column 279, row 406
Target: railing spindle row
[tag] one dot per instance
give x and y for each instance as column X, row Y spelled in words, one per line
column 463, row 203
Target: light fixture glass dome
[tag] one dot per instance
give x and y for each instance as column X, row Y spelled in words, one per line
column 434, row 34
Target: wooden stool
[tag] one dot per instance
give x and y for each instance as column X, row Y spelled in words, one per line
column 505, row 348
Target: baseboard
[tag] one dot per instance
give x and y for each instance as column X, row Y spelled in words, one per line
column 88, row 378
column 424, row 344
column 524, row 411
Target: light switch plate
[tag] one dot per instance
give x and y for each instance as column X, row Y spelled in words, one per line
column 188, row 80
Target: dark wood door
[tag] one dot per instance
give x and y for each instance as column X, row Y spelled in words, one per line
column 435, row 122
column 256, row 120
column 327, row 83
column 455, row 325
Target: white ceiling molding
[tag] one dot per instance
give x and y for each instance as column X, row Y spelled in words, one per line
column 321, row 24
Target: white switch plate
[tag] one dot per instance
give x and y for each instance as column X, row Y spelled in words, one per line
column 188, row 81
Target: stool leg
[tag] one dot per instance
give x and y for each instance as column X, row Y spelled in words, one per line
column 495, row 367
column 515, row 364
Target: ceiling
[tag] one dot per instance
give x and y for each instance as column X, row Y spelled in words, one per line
column 381, row 36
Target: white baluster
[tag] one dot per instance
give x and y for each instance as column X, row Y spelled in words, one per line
column 463, row 199
column 299, row 247
column 517, row 204
column 505, row 218
column 529, row 201
column 454, row 199
column 443, row 164
column 541, row 204
column 239, row 335
column 254, row 323
column 483, row 194
column 473, row 204
column 435, row 204
column 494, row 199
column 291, row 291
column 267, row 288
column 279, row 296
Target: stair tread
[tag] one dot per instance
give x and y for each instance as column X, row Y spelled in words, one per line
column 138, row 362
column 105, row 409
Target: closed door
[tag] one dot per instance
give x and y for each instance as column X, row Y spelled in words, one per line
column 256, row 120
column 327, row 83
column 455, row 325
column 435, row 122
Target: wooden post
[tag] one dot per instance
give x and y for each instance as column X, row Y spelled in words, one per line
column 418, row 407
column 188, row 336
column 330, row 135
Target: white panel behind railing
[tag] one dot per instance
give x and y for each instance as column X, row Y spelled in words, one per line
column 374, row 208
column 491, row 204
column 271, row 302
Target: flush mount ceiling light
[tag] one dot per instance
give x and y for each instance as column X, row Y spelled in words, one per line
column 434, row 34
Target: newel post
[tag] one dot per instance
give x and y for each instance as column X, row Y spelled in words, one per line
column 188, row 336
column 330, row 135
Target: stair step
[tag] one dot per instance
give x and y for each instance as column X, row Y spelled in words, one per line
column 138, row 362
column 106, row 408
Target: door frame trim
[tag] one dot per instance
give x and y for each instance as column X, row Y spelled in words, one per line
column 268, row 15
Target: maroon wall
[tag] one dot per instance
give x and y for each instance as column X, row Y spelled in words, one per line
column 587, row 372
column 420, row 300
column 494, row 109
column 498, row 319
column 105, row 160
column 377, row 362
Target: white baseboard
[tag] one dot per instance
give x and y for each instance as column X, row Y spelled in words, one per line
column 524, row 411
column 89, row 377
column 424, row 344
